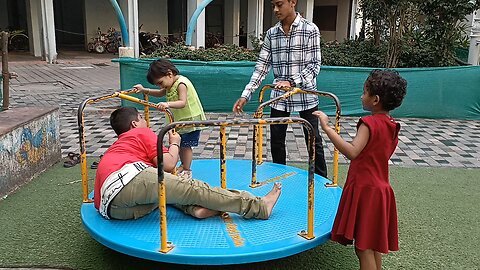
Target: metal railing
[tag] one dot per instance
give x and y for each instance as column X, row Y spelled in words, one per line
column 308, row 234
column 257, row 150
column 81, row 127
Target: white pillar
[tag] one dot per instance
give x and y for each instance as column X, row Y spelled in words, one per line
column 232, row 21
column 254, row 20
column 474, row 50
column 343, row 12
column 34, row 18
column 198, row 38
column 48, row 23
column 305, row 8
column 353, row 19
column 133, row 27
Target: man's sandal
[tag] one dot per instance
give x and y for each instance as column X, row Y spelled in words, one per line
column 72, row 160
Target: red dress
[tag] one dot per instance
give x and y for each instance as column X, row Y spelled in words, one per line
column 367, row 212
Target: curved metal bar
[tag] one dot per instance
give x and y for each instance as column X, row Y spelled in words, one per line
column 258, row 130
column 81, row 132
column 257, row 152
column 81, row 129
column 166, row 246
column 121, row 21
column 262, row 91
column 168, row 112
column 193, row 21
column 288, row 93
column 257, row 149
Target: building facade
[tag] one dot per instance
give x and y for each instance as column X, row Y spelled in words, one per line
column 59, row 24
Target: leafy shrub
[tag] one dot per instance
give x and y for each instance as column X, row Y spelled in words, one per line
column 416, row 55
column 227, row 52
column 352, row 53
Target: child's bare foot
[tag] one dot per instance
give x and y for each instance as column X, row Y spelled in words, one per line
column 271, row 198
column 201, row 212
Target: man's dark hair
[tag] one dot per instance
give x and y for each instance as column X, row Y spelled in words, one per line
column 121, row 119
column 160, row 68
column 389, row 86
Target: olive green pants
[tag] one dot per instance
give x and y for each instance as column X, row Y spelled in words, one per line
column 140, row 197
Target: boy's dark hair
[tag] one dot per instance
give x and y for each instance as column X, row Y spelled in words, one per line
column 121, row 119
column 160, row 68
column 389, row 86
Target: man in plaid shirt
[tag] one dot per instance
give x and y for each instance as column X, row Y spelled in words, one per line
column 292, row 49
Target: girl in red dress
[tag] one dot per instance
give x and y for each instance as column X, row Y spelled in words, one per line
column 367, row 214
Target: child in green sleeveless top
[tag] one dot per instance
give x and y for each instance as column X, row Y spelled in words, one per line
column 182, row 100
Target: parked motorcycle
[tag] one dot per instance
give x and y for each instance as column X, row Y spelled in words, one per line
column 150, row 42
column 98, row 43
column 114, row 40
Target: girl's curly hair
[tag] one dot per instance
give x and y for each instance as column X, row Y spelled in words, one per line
column 388, row 85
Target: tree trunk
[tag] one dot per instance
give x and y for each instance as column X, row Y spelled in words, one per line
column 376, row 32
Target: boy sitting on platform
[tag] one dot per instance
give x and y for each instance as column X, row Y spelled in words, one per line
column 126, row 184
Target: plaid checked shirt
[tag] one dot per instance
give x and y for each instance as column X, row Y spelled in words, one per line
column 296, row 56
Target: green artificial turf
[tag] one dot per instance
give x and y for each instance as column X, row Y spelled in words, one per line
column 439, row 227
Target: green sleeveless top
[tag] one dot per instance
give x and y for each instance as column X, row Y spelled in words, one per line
column 193, row 109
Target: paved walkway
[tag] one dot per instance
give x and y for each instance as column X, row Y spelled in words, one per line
column 423, row 142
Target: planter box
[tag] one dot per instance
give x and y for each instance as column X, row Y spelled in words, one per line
column 447, row 92
column 29, row 144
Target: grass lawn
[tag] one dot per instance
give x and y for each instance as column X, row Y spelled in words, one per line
column 438, row 210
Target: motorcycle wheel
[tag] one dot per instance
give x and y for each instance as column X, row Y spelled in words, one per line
column 90, row 47
column 99, row 48
column 18, row 43
column 112, row 47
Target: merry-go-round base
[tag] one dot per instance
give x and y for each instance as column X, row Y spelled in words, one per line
column 232, row 239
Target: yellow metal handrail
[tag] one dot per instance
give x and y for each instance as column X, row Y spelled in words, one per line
column 81, row 127
column 289, row 91
column 167, row 246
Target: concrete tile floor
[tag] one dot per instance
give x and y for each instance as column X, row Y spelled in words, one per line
column 422, row 142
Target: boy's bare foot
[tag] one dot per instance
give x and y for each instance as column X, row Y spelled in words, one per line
column 201, row 212
column 271, row 198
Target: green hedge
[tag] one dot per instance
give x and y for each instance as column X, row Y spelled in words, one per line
column 349, row 53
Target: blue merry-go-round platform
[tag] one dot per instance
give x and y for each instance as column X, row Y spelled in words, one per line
column 219, row 240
